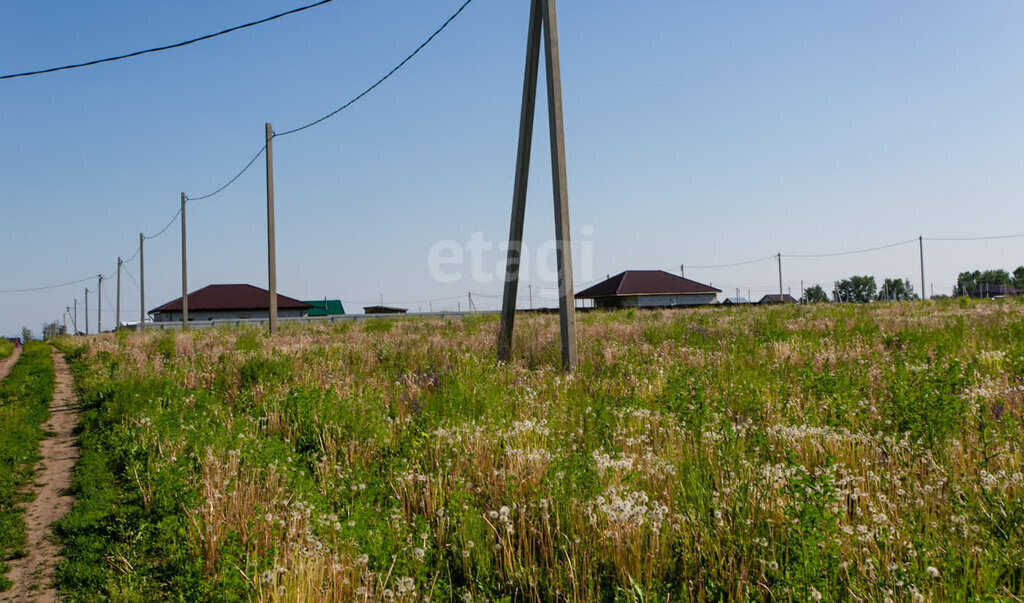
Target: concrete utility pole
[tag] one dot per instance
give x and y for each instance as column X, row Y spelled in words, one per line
column 86, row 310
column 543, row 24
column 74, row 317
column 802, row 293
column 271, row 245
column 920, row 242
column 779, row 257
column 142, row 284
column 67, row 311
column 117, row 314
column 531, row 296
column 184, row 269
column 99, row 304
column 682, row 270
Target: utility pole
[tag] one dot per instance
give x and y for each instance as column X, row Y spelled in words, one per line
column 933, row 290
column 99, row 304
column 117, row 315
column 184, row 269
column 86, row 310
column 779, row 257
column 67, row 310
column 271, row 243
column 543, row 24
column 470, row 300
column 531, row 296
column 920, row 243
column 142, row 284
column 682, row 270
column 74, row 317
column 802, row 294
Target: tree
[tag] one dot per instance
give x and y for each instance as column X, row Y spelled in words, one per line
column 814, row 295
column 53, row 329
column 26, row 334
column 972, row 283
column 895, row 289
column 1018, row 277
column 857, row 289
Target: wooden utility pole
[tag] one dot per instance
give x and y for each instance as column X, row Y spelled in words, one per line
column 543, row 24
column 99, row 304
column 920, row 243
column 779, row 257
column 142, row 284
column 86, row 310
column 117, row 314
column 682, row 271
column 184, row 269
column 271, row 245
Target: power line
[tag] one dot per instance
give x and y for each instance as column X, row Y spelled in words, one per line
column 828, row 255
column 1014, row 236
column 46, row 287
column 230, row 182
column 767, row 257
column 386, row 76
column 167, row 47
column 164, row 229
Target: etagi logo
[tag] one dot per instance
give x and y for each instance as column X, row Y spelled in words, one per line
column 483, row 261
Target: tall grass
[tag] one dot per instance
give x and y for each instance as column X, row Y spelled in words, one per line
column 771, row 453
column 6, row 348
column 24, row 406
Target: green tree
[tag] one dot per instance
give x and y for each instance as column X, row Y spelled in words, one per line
column 857, row 289
column 1018, row 277
column 814, row 295
column 26, row 334
column 894, row 289
column 969, row 282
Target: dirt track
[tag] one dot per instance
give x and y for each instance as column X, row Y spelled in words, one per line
column 33, row 575
column 7, row 363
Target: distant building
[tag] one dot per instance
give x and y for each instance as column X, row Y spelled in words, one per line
column 15, row 340
column 775, row 298
column 735, row 301
column 229, row 302
column 325, row 307
column 649, row 289
column 994, row 291
column 383, row 310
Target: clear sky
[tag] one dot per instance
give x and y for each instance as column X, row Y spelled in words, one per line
column 697, row 133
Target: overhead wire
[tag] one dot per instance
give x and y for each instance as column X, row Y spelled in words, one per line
column 382, row 79
column 868, row 250
column 166, row 47
column 230, row 182
column 1014, row 236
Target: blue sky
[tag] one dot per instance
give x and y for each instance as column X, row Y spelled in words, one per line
column 697, row 132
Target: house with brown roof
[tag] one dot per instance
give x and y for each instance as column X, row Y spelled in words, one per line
column 649, row 289
column 230, row 302
column 775, row 298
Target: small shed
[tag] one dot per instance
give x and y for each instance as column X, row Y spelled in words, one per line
column 735, row 301
column 649, row 289
column 775, row 298
column 383, row 310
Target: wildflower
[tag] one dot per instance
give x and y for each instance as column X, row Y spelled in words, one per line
column 468, row 598
column 815, row 595
column 419, row 553
column 932, row 571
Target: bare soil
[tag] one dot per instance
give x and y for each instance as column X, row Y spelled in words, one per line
column 7, row 363
column 33, row 575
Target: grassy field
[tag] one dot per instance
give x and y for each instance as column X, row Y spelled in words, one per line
column 6, row 348
column 24, row 406
column 792, row 453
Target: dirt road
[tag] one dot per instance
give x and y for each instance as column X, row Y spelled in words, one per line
column 8, row 363
column 33, row 575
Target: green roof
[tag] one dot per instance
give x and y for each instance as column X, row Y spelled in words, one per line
column 326, row 307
